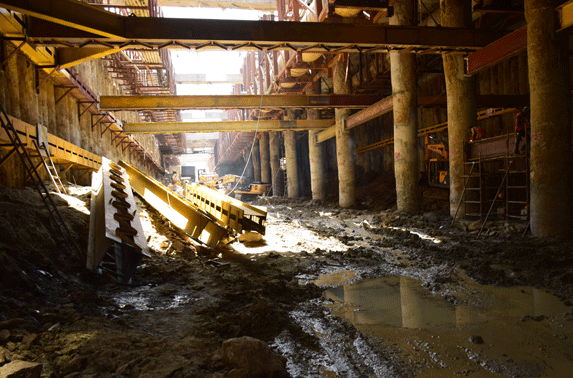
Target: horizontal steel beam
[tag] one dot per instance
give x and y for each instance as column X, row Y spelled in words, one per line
column 236, row 102
column 71, row 13
column 229, row 126
column 155, row 32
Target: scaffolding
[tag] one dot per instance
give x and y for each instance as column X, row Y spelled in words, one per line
column 498, row 184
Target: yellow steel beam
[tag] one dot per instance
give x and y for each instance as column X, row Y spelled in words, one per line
column 326, row 134
column 236, row 102
column 565, row 14
column 181, row 213
column 61, row 151
column 10, row 27
column 235, row 214
column 71, row 56
column 71, row 13
column 229, row 126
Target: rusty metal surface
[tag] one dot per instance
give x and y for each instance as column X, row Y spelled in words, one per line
column 154, row 33
column 116, row 242
column 491, row 147
column 503, row 48
column 376, row 110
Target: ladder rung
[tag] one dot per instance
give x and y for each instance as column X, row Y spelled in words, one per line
column 522, row 202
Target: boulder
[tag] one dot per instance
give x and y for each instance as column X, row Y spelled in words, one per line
column 475, row 225
column 251, row 355
column 431, row 217
column 250, row 237
column 4, row 335
column 21, row 369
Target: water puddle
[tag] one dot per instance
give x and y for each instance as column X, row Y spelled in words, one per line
column 403, row 302
column 496, row 331
column 159, row 298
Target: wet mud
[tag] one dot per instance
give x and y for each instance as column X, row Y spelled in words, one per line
column 339, row 292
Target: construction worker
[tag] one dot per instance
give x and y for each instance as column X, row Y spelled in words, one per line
column 522, row 128
column 477, row 133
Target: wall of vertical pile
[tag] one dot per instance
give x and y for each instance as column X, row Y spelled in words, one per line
column 19, row 98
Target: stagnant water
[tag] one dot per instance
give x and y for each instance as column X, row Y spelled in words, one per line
column 492, row 332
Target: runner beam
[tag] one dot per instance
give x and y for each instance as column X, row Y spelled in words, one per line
column 230, row 126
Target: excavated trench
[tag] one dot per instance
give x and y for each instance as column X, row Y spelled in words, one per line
column 339, row 293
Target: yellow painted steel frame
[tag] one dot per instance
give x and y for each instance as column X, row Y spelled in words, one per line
column 235, row 214
column 61, row 151
column 215, row 204
column 181, row 213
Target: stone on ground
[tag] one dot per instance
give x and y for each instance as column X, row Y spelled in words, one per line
column 250, row 237
column 252, row 355
column 21, row 369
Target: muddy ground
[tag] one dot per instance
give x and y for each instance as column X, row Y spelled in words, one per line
column 292, row 290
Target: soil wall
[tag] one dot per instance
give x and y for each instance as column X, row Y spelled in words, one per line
column 18, row 95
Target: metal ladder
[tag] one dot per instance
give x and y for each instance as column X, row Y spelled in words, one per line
column 48, row 163
column 55, row 215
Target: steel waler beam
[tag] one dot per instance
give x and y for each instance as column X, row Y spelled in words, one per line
column 197, row 223
column 116, row 242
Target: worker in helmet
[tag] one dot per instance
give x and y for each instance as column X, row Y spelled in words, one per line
column 522, row 129
column 477, row 133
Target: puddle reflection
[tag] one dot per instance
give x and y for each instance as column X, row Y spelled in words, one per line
column 403, row 302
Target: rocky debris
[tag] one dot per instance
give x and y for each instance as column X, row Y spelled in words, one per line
column 251, row 356
column 12, row 323
column 474, row 339
column 21, row 369
column 4, row 335
column 250, row 237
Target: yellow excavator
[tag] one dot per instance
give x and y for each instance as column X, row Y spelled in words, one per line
column 255, row 189
column 437, row 168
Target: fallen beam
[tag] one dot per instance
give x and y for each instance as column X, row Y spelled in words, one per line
column 116, row 241
column 237, row 215
column 230, row 126
column 236, row 102
column 181, row 213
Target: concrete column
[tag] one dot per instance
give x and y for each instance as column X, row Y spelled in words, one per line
column 291, row 161
column 265, row 158
column 461, row 94
column 550, row 100
column 345, row 149
column 316, row 158
column 404, row 84
column 276, row 173
column 256, row 162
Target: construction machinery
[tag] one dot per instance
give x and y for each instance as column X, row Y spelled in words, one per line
column 437, row 168
column 255, row 189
